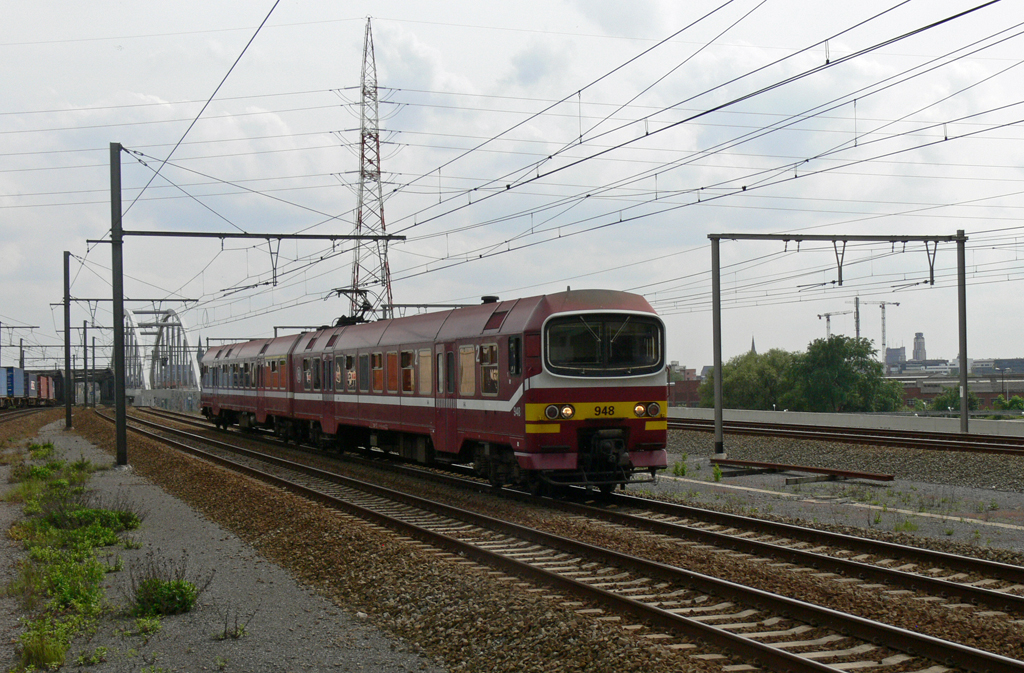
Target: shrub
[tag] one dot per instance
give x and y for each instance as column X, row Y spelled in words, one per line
column 164, row 587
column 155, row 596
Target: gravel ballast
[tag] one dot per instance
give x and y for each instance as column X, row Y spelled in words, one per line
column 431, row 614
column 451, row 616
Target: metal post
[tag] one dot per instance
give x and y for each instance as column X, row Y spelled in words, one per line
column 961, row 270
column 85, row 362
column 716, row 310
column 21, row 355
column 117, row 272
column 96, row 396
column 67, row 340
column 856, row 315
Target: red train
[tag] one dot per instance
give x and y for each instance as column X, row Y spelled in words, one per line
column 567, row 388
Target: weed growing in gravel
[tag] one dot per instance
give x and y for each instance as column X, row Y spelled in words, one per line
column 716, row 473
column 235, row 624
column 905, row 526
column 97, row 656
column 61, row 580
column 160, row 586
column 679, row 469
column 40, row 451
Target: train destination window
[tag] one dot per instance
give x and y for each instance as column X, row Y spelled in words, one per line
column 408, row 373
column 364, row 373
column 392, row 371
column 424, row 365
column 467, row 371
column 378, row 372
column 489, row 369
column 604, row 344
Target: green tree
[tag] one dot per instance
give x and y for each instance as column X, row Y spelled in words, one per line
column 1015, row 403
column 840, row 374
column 752, row 381
column 949, row 398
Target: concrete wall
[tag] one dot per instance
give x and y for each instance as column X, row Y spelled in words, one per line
column 1010, row 428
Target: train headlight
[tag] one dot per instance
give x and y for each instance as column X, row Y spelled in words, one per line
column 653, row 409
column 567, row 411
column 551, row 412
column 640, row 409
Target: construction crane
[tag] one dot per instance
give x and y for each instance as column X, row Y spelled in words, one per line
column 883, row 304
column 828, row 321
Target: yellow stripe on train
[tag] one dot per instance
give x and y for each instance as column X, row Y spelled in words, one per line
column 590, row 410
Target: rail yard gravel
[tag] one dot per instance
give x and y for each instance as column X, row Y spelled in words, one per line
column 439, row 615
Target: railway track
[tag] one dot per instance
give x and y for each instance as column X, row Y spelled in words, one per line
column 969, row 580
column 14, row 414
column 936, row 441
column 675, row 606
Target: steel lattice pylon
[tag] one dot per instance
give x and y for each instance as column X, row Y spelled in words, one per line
column 370, row 292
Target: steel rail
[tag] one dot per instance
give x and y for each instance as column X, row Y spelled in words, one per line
column 1003, row 571
column 895, row 638
column 935, row 441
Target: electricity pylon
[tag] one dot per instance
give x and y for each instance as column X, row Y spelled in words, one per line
column 370, row 293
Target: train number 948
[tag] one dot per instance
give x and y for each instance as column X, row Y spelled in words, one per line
column 604, row 411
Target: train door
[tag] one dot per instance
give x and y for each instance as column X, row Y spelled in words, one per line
column 445, row 401
column 328, row 414
column 261, row 390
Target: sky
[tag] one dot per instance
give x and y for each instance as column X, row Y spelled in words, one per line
column 525, row 148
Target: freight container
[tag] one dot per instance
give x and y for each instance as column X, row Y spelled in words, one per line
column 15, row 381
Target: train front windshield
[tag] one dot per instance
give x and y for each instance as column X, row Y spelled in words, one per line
column 604, row 344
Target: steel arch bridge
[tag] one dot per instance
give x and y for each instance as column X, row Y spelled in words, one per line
column 159, row 357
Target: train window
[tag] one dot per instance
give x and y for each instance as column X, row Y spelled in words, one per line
column 315, row 373
column 489, row 369
column 603, row 345
column 328, row 374
column 515, row 355
column 282, row 378
column 364, row 373
column 307, row 378
column 467, row 371
column 424, row 365
column 449, row 373
column 350, row 372
column 310, row 344
column 392, row 371
column 377, row 361
column 408, row 372
column 440, row 372
column 246, row 380
column 339, row 373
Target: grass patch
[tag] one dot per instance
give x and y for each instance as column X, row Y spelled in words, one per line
column 160, row 586
column 60, row 583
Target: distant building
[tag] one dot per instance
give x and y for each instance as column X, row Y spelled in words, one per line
column 895, row 359
column 919, row 353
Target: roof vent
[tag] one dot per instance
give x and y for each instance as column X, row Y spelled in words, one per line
column 489, row 299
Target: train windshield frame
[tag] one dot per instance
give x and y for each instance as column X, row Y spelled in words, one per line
column 604, row 344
